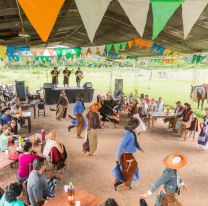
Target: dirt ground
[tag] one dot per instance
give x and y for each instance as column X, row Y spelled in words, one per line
column 94, row 174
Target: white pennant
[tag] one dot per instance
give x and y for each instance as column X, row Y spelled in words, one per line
column 93, row 49
column 137, row 11
column 191, row 10
column 101, row 49
column 92, row 12
column 84, row 50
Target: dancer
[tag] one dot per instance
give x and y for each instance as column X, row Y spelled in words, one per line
column 170, row 179
column 62, row 106
column 92, row 127
column 203, row 136
column 78, row 119
column 128, row 146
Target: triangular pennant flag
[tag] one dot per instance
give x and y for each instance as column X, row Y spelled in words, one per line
column 162, row 11
column 130, row 44
column 3, row 52
column 59, row 52
column 137, row 11
column 78, row 51
column 42, row 15
column 93, row 50
column 84, row 50
column 68, row 52
column 101, row 49
column 50, row 50
column 116, row 47
column 108, row 48
column 123, row 45
column 92, row 13
column 191, row 10
column 167, row 52
column 137, row 41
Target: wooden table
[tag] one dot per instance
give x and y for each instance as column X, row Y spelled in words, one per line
column 4, row 160
column 25, row 106
column 37, row 135
column 159, row 115
column 85, row 198
column 26, row 116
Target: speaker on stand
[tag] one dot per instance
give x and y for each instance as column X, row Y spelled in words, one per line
column 20, row 90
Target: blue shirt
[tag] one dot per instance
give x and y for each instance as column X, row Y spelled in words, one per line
column 78, row 108
column 6, row 119
column 127, row 144
column 13, row 203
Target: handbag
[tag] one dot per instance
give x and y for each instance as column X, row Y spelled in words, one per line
column 143, row 202
column 203, row 138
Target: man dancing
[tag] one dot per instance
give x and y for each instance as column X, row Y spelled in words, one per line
column 55, row 74
column 66, row 74
column 79, row 76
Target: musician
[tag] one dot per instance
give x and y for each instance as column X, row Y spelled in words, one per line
column 66, row 74
column 55, row 74
column 79, row 76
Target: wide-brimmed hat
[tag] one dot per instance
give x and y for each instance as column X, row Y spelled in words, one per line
column 94, row 107
column 4, row 108
column 175, row 160
column 132, row 124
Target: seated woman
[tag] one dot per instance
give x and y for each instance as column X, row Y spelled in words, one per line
column 160, row 105
column 184, row 119
column 25, row 159
column 110, row 202
column 6, row 117
column 12, row 194
column 50, row 143
column 14, row 127
column 152, row 106
column 144, row 108
column 4, row 137
column 133, row 108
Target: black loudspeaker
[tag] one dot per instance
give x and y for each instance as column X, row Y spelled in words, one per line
column 48, row 86
column 87, row 85
column 20, row 90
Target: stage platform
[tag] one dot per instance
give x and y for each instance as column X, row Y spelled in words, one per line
column 52, row 94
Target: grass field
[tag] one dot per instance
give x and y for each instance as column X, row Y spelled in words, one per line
column 173, row 88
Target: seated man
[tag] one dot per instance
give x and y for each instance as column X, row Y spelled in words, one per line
column 28, row 94
column 178, row 111
column 160, row 105
column 6, row 117
column 38, row 188
column 185, row 118
column 14, row 109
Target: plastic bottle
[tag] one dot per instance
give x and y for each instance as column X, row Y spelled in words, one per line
column 21, row 142
column 20, row 111
column 43, row 135
column 71, row 198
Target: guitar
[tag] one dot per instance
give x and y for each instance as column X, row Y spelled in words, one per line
column 55, row 74
column 68, row 73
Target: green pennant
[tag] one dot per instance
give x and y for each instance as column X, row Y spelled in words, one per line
column 117, row 47
column 162, row 11
column 68, row 52
column 78, row 51
column 59, row 52
column 108, row 48
column 123, row 45
column 36, row 58
column 42, row 58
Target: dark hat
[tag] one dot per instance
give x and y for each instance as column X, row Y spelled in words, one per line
column 178, row 102
column 132, row 124
column 5, row 108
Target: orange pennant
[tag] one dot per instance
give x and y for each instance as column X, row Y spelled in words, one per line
column 148, row 44
column 42, row 14
column 51, row 50
column 138, row 41
column 130, row 44
column 175, row 53
column 167, row 52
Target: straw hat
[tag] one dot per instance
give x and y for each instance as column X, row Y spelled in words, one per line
column 4, row 108
column 175, row 160
column 132, row 124
column 94, row 107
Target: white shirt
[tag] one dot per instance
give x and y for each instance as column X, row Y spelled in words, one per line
column 49, row 144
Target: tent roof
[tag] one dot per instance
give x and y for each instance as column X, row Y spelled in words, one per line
column 115, row 27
